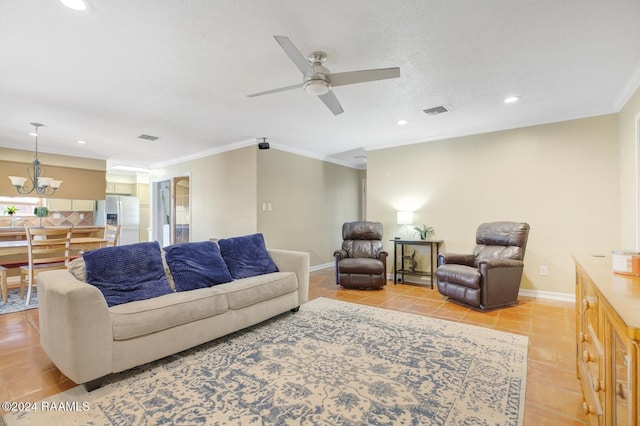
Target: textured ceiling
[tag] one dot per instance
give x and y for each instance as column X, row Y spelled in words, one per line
column 181, row 70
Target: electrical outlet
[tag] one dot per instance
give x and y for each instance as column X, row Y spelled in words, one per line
column 544, row 271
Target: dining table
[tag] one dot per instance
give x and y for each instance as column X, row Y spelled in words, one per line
column 16, row 247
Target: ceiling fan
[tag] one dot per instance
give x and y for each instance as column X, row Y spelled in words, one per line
column 319, row 81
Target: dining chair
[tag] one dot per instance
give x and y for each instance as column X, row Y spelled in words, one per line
column 3, row 284
column 48, row 249
column 112, row 234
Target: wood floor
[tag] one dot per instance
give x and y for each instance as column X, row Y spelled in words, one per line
column 552, row 397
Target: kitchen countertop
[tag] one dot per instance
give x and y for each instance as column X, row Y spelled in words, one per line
column 18, row 231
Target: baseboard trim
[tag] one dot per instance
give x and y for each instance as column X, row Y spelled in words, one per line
column 539, row 294
column 323, row 266
column 551, row 295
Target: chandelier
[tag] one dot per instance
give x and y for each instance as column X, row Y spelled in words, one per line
column 42, row 185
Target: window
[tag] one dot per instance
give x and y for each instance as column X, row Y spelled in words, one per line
column 24, row 205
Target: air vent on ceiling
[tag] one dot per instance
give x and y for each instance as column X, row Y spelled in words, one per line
column 148, row 137
column 436, row 110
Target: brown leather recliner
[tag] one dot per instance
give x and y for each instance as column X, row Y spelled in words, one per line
column 361, row 263
column 490, row 277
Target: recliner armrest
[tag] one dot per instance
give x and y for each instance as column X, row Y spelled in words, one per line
column 340, row 254
column 500, row 263
column 456, row 258
column 382, row 255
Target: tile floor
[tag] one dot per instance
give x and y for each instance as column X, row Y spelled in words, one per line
column 552, row 397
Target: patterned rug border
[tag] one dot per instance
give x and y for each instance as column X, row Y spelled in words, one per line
column 15, row 304
column 74, row 398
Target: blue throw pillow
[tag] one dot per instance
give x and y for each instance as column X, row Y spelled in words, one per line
column 127, row 273
column 196, row 265
column 246, row 256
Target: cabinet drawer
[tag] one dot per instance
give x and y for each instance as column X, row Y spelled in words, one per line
column 591, row 406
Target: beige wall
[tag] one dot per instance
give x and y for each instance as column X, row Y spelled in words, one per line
column 223, row 193
column 561, row 178
column 629, row 118
column 83, row 178
column 310, row 200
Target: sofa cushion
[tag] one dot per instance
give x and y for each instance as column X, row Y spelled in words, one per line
column 144, row 317
column 127, row 273
column 196, row 265
column 77, row 269
column 246, row 256
column 249, row 291
column 361, row 265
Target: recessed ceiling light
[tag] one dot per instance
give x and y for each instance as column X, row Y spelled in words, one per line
column 511, row 99
column 82, row 142
column 79, row 5
column 402, row 122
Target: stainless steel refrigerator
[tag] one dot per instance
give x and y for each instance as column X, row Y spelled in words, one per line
column 121, row 210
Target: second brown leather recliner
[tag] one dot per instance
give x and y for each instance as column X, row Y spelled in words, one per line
column 361, row 263
column 489, row 277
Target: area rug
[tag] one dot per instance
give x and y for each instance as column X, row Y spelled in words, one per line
column 332, row 363
column 15, row 304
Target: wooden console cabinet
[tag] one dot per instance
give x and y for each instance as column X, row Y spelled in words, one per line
column 607, row 341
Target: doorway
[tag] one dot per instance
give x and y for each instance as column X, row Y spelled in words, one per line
column 161, row 212
column 171, row 210
column 181, row 211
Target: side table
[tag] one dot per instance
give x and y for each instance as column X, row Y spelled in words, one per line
column 434, row 247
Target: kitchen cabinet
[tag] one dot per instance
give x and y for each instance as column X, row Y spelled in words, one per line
column 83, row 205
column 58, row 204
column 65, row 205
column 607, row 340
column 120, row 188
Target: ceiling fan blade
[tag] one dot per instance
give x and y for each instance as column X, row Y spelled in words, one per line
column 281, row 89
column 294, row 54
column 354, row 77
column 331, row 102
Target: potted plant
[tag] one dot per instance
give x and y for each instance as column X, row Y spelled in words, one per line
column 41, row 212
column 11, row 211
column 426, row 232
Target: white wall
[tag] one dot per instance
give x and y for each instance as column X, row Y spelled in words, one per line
column 561, row 178
column 223, row 193
column 310, row 201
column 628, row 180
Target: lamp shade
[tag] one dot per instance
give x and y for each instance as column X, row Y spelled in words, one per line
column 44, row 181
column 405, row 218
column 17, row 180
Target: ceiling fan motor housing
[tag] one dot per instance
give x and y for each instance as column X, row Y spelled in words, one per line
column 317, row 83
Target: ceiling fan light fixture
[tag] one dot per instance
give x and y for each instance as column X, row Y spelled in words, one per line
column 317, row 87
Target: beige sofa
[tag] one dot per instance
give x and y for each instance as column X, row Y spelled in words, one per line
column 87, row 340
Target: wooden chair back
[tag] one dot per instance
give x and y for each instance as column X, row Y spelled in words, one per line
column 48, row 245
column 48, row 248
column 112, row 234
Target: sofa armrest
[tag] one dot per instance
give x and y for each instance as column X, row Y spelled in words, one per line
column 294, row 261
column 75, row 326
column 456, row 258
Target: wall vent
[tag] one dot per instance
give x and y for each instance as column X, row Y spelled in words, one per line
column 148, row 137
column 436, row 110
